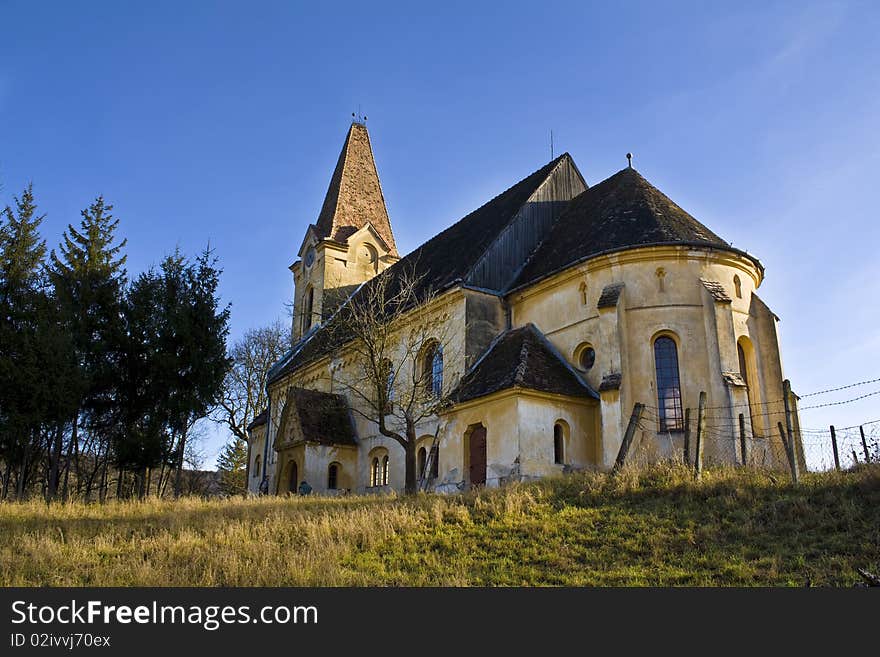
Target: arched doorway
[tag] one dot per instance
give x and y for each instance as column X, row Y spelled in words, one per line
column 477, row 456
column 293, row 480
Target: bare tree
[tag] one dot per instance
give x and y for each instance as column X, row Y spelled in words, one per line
column 398, row 336
column 244, row 390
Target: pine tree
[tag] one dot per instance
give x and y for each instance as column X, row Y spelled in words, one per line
column 27, row 339
column 232, row 466
column 22, row 250
column 88, row 278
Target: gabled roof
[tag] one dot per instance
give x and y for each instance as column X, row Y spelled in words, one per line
column 438, row 264
column 354, row 196
column 315, row 416
column 621, row 212
column 521, row 358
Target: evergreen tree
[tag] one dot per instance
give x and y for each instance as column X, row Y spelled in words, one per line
column 232, row 466
column 200, row 326
column 88, row 278
column 35, row 356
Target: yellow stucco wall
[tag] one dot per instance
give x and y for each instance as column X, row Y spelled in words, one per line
column 663, row 293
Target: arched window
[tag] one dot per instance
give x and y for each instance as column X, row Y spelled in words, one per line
column 333, row 476
column 257, row 464
column 435, row 461
column 308, row 309
column 375, row 473
column 746, row 354
column 668, row 384
column 422, row 460
column 432, row 368
column 558, row 444
column 385, row 470
column 737, row 286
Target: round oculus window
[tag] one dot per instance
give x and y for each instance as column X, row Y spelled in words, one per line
column 587, row 358
column 310, row 257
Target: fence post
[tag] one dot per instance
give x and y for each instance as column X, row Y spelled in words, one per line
column 628, row 436
column 742, row 438
column 701, row 428
column 687, row 436
column 782, row 435
column 855, row 457
column 792, row 450
column 865, row 444
column 834, row 446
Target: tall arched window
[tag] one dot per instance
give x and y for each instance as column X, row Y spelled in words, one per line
column 308, row 309
column 435, row 461
column 737, row 286
column 558, row 444
column 257, row 464
column 375, row 473
column 385, row 470
column 746, row 354
column 333, row 476
column 432, row 368
column 668, row 384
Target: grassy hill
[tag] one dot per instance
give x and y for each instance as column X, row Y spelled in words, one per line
column 642, row 527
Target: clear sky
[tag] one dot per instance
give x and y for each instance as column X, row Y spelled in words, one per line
column 222, row 121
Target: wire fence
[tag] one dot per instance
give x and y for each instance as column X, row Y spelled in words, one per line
column 725, row 440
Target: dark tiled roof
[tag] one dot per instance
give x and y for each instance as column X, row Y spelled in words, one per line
column 259, row 420
column 523, row 358
column 610, row 295
column 717, row 290
column 321, row 417
column 437, row 264
column 621, row 212
column 354, row 196
column 610, row 382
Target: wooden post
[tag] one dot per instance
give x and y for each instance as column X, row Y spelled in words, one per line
column 687, row 436
column 784, row 440
column 792, row 449
column 701, row 428
column 628, row 436
column 742, row 439
column 865, row 445
column 834, row 446
column 855, row 458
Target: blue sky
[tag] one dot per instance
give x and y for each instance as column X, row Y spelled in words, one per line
column 222, row 121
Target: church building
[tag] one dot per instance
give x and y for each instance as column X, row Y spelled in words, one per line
column 562, row 307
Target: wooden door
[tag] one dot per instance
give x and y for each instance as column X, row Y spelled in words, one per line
column 477, row 449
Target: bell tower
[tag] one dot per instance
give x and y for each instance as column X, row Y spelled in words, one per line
column 351, row 241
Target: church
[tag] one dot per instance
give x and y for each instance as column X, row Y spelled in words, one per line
column 563, row 307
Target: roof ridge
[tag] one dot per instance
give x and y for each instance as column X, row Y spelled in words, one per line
column 489, row 202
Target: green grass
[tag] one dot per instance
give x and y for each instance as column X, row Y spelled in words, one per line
column 642, row 527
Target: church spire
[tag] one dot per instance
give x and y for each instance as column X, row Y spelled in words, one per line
column 354, row 197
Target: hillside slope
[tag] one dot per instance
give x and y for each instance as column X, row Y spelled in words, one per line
column 648, row 527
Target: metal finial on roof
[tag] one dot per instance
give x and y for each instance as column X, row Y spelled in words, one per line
column 629, row 160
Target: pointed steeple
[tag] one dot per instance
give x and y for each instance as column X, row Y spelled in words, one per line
column 354, row 197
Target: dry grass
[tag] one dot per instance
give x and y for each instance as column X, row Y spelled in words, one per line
column 644, row 527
